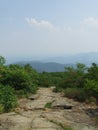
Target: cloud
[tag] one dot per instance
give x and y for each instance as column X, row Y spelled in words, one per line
column 42, row 24
column 91, row 21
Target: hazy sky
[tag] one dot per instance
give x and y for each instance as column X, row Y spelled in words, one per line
column 48, row 27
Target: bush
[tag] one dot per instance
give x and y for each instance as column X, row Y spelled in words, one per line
column 19, row 79
column 7, row 98
column 44, row 80
column 34, row 88
column 75, row 93
column 91, row 87
column 23, row 93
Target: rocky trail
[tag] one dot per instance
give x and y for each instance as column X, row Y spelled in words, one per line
column 49, row 111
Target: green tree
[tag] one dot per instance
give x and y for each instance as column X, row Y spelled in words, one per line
column 93, row 72
column 15, row 67
column 81, row 68
column 91, row 88
column 2, row 60
column 34, row 75
column 74, row 76
column 19, row 79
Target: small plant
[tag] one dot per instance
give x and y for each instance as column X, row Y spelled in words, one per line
column 48, row 105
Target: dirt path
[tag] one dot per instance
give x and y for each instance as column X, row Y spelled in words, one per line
column 32, row 114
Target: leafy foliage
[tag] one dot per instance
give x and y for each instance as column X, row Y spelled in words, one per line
column 80, row 83
column 91, row 87
column 7, row 98
column 17, row 77
column 15, row 80
column 2, row 60
column 76, row 93
column 45, row 80
column 33, row 74
column 93, row 72
column 73, row 77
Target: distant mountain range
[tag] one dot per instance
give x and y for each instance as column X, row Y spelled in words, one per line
column 57, row 64
column 45, row 67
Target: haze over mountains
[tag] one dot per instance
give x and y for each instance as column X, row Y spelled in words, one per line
column 45, row 67
column 85, row 58
column 56, row 64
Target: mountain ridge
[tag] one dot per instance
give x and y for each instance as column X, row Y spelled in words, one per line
column 45, row 67
column 57, row 64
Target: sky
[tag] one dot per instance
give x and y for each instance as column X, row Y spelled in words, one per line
column 35, row 28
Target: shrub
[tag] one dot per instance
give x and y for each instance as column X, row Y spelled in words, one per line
column 19, row 79
column 44, row 80
column 91, row 87
column 7, row 98
column 75, row 93
column 34, row 88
